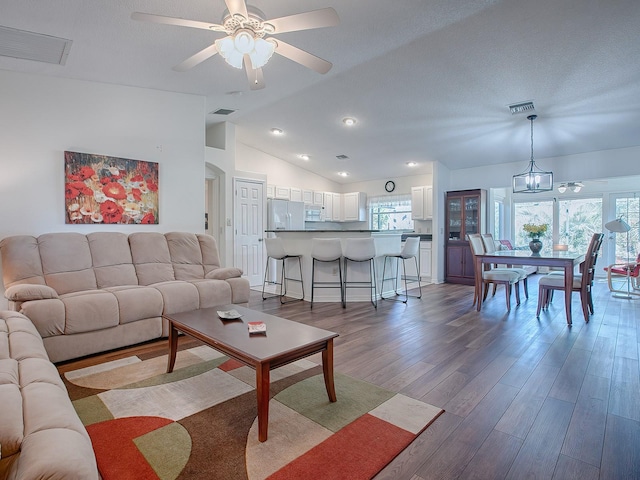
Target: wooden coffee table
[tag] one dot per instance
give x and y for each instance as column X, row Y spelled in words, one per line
column 284, row 342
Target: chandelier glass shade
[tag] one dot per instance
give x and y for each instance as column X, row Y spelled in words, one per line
column 234, row 47
column 532, row 180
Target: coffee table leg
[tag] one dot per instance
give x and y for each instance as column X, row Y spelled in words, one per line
column 173, row 347
column 327, row 370
column 262, row 391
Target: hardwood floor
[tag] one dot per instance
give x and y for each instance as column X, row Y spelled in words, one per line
column 523, row 398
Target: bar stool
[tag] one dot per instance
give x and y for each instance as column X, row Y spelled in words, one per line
column 326, row 250
column 409, row 251
column 360, row 250
column 276, row 251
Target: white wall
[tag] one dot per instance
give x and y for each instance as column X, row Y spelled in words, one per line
column 619, row 162
column 41, row 117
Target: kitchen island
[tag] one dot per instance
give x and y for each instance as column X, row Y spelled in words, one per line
column 299, row 242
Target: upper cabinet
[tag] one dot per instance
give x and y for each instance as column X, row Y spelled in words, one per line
column 422, row 203
column 318, row 198
column 354, row 207
column 283, row 193
column 271, row 191
column 295, row 194
column 307, row 197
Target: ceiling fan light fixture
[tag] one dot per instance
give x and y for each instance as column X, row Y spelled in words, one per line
column 532, row 180
column 562, row 188
column 234, row 47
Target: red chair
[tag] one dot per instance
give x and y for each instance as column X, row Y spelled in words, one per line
column 629, row 272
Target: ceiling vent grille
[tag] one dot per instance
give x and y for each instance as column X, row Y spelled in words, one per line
column 223, row 111
column 523, row 107
column 342, row 157
column 33, row 46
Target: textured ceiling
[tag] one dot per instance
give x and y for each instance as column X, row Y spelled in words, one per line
column 426, row 79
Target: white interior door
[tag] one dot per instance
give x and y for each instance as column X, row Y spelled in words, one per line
column 249, row 228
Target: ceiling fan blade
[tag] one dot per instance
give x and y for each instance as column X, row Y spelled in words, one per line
column 194, row 60
column 325, row 17
column 237, row 6
column 180, row 22
column 302, row 57
column 254, row 75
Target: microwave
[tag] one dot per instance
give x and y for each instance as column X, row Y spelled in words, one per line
column 313, row 213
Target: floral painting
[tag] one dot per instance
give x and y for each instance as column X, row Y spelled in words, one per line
column 102, row 189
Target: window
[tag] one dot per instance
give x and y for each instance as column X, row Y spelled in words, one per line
column 578, row 220
column 629, row 209
column 532, row 212
column 390, row 212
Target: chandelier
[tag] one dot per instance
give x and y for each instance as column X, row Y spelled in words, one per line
column 532, row 180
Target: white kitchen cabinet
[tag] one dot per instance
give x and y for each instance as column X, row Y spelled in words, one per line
column 295, row 194
column 283, row 193
column 425, row 260
column 328, row 206
column 318, row 198
column 271, row 191
column 307, row 197
column 422, row 203
column 336, row 215
column 354, row 206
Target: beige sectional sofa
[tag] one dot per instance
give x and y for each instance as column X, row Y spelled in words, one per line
column 41, row 436
column 103, row 290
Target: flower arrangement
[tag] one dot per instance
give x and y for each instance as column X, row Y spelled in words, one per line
column 535, row 231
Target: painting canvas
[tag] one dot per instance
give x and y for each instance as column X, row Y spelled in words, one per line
column 110, row 190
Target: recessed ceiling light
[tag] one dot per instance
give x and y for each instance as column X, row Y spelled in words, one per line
column 343, row 174
column 349, row 121
column 277, row 131
column 304, row 156
column 412, row 164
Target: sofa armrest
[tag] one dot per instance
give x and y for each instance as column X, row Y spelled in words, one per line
column 26, row 292
column 224, row 273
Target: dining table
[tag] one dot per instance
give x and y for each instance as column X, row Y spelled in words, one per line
column 562, row 259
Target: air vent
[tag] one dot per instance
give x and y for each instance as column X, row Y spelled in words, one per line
column 33, row 46
column 223, row 111
column 342, row 157
column 523, row 107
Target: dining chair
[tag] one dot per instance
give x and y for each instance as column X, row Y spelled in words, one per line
column 582, row 282
column 490, row 247
column 500, row 276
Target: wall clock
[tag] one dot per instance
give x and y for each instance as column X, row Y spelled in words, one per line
column 390, row 186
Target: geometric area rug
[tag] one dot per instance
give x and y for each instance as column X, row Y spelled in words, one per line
column 200, row 421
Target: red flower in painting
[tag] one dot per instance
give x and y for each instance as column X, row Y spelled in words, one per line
column 105, row 180
column 73, row 178
column 86, row 172
column 137, row 194
column 114, row 190
column 137, row 178
column 70, row 191
column 111, row 212
column 148, row 219
column 152, row 186
column 82, row 188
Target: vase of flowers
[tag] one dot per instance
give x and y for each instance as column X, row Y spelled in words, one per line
column 535, row 232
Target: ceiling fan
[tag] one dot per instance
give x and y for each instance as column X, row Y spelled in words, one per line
column 248, row 40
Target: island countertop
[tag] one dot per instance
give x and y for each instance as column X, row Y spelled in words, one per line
column 322, row 231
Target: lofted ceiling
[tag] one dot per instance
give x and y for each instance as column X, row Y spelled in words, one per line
column 427, row 80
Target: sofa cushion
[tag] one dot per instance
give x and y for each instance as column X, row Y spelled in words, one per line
column 112, row 261
column 88, row 311
column 151, row 258
column 26, row 292
column 137, row 302
column 178, row 296
column 213, row 292
column 21, row 261
column 224, row 273
column 48, row 316
column 66, row 262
